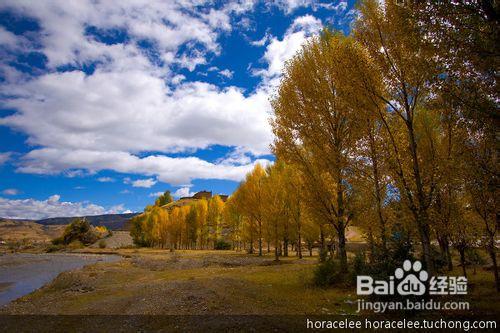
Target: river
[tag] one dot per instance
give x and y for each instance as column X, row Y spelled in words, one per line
column 22, row 273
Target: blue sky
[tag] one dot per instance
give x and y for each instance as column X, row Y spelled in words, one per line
column 103, row 105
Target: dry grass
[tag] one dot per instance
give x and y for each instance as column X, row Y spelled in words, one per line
column 152, row 281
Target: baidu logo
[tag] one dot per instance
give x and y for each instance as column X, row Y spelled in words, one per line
column 414, row 278
column 411, row 279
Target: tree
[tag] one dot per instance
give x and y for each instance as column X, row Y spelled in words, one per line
column 192, row 226
column 407, row 65
column 317, row 125
column 293, row 188
column 201, row 221
column 214, row 214
column 482, row 185
column 234, row 219
column 79, row 230
column 164, row 199
column 466, row 35
column 250, row 201
column 275, row 204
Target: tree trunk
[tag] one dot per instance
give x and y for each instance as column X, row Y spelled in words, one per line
column 277, row 245
column 493, row 256
column 285, row 247
column 322, row 251
column 423, row 228
column 461, row 250
column 371, row 244
column 378, row 196
column 342, row 250
column 299, row 245
column 260, row 238
column 444, row 245
column 250, row 248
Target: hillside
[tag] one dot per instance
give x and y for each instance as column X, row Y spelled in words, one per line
column 110, row 221
column 20, row 230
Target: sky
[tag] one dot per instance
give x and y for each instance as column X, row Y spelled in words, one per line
column 106, row 104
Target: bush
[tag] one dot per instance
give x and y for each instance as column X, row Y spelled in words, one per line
column 54, row 248
column 327, row 274
column 77, row 231
column 222, row 245
column 76, row 244
column 359, row 266
column 440, row 262
column 474, row 258
column 102, row 244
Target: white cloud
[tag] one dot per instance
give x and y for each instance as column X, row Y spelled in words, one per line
column 10, row 191
column 105, row 179
column 176, row 171
column 134, row 111
column 155, row 194
column 131, row 104
column 4, row 157
column 289, row 6
column 226, row 73
column 279, row 51
column 263, row 41
column 182, row 192
column 52, row 207
column 168, row 24
column 146, row 183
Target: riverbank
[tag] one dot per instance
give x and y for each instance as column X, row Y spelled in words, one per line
column 22, row 273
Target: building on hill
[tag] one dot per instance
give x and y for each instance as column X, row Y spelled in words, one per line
column 183, row 201
column 203, row 194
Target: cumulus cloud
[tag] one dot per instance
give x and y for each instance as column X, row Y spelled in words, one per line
column 136, row 112
column 4, row 157
column 168, row 24
column 10, row 191
column 51, row 207
column 134, row 102
column 263, row 41
column 289, row 6
column 279, row 51
column 176, row 171
column 183, row 192
column 105, row 179
column 226, row 73
column 146, row 183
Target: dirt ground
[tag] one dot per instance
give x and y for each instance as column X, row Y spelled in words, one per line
column 117, row 240
column 185, row 283
column 204, row 284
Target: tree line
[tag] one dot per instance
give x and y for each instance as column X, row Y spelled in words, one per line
column 398, row 122
column 196, row 225
column 392, row 128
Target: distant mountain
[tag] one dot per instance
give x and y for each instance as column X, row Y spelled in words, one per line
column 110, row 221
